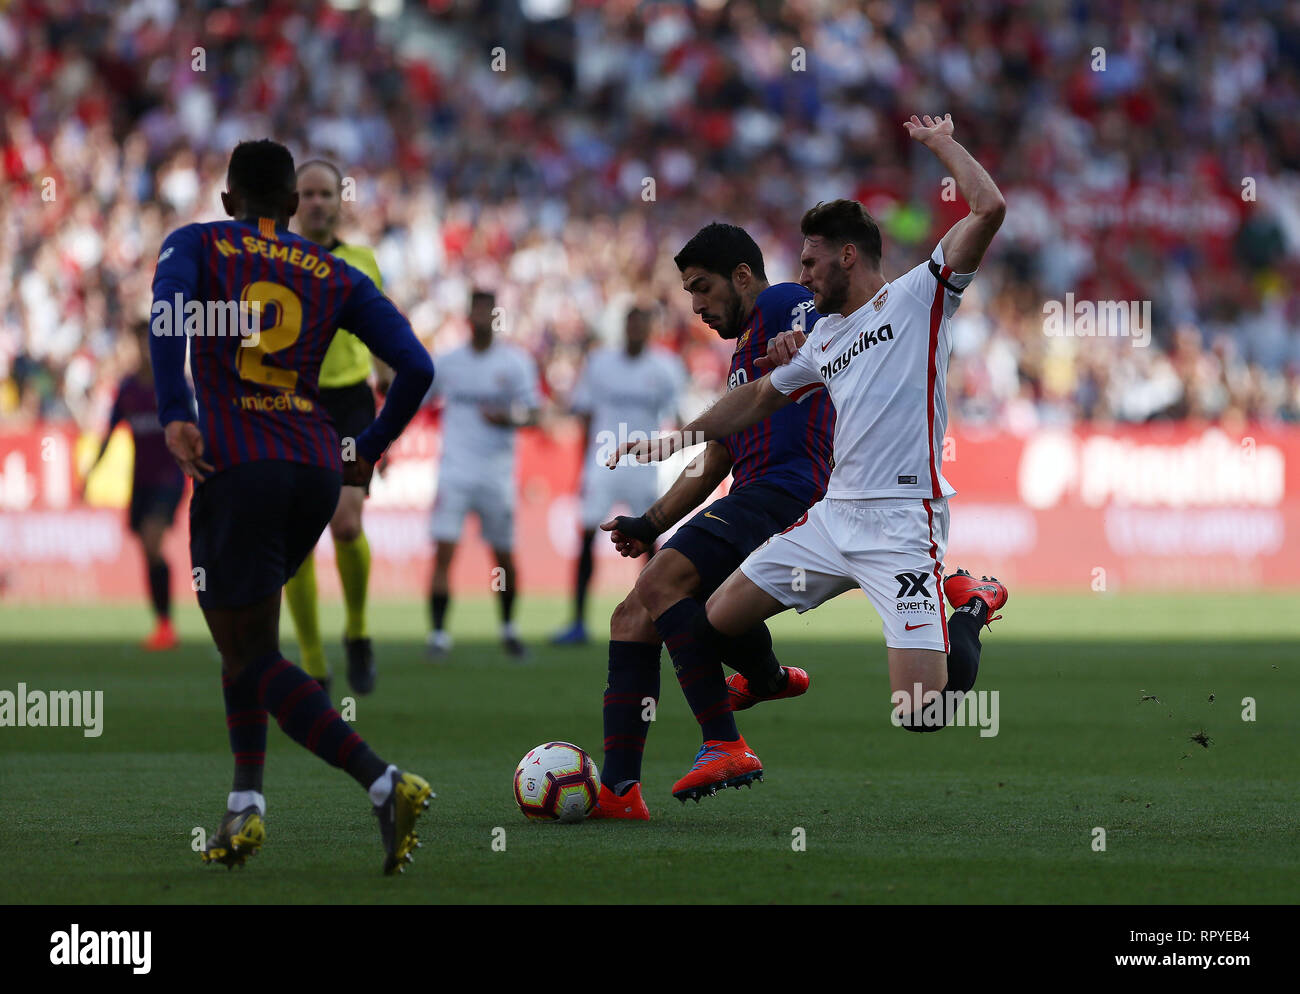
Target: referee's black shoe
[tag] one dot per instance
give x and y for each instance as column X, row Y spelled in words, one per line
column 361, row 665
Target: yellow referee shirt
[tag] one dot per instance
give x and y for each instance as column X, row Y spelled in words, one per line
column 347, row 360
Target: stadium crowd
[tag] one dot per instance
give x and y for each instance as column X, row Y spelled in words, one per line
column 1147, row 151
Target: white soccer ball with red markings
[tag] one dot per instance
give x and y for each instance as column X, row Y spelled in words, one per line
column 556, row 781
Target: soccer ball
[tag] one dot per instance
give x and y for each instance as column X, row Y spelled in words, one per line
column 556, row 781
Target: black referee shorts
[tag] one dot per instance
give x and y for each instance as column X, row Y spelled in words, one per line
column 352, row 409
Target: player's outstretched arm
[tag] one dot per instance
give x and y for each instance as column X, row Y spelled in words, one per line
column 635, row 536
column 966, row 241
column 735, row 411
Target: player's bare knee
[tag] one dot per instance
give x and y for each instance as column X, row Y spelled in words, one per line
column 346, row 527
column 659, row 587
column 630, row 622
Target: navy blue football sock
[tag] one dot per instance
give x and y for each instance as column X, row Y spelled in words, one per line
column 506, row 602
column 160, row 588
column 586, row 568
column 438, row 604
column 306, row 715
column 246, row 724
column 633, row 677
column 699, row 669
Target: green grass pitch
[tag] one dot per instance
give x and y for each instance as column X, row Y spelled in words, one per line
column 887, row 816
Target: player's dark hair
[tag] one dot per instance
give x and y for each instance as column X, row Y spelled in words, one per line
column 720, row 248
column 640, row 313
column 841, row 222
column 262, row 172
column 478, row 293
column 324, row 163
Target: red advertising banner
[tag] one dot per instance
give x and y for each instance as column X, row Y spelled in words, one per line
column 1153, row 507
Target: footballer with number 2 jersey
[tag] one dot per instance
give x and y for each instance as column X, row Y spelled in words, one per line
column 268, row 465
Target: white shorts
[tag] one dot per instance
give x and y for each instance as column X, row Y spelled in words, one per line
column 892, row 548
column 636, row 487
column 490, row 500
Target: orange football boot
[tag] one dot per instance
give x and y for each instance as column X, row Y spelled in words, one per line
column 629, row 806
column 961, row 587
column 717, row 766
column 742, row 697
column 163, row 637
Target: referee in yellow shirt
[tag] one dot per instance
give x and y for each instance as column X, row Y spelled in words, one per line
column 346, row 395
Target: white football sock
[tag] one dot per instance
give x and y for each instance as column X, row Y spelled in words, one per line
column 240, row 799
column 383, row 787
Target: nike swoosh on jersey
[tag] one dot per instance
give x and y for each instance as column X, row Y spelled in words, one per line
column 710, row 514
column 913, row 627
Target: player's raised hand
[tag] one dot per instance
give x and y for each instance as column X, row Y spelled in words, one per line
column 185, row 443
column 781, row 349
column 926, row 128
column 654, row 449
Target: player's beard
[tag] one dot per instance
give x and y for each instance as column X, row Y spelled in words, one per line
column 835, row 292
column 732, row 319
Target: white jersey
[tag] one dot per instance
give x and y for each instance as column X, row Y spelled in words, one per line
column 623, row 394
column 886, row 367
column 503, row 377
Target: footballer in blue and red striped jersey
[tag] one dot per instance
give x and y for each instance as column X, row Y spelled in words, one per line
column 792, row 449
column 261, row 400
column 157, row 484
column 779, row 468
column 269, row 465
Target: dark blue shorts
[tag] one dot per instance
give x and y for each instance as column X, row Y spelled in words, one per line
column 720, row 537
column 252, row 525
column 153, row 502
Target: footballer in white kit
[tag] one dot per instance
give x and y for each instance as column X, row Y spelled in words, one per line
column 488, row 390
column 883, row 525
column 881, row 351
column 621, row 391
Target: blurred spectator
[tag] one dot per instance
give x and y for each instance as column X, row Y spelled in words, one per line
column 568, row 175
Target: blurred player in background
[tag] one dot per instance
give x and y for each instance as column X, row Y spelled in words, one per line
column 632, row 389
column 157, row 484
column 488, row 390
column 882, row 353
column 347, row 398
column 779, row 468
column 268, row 465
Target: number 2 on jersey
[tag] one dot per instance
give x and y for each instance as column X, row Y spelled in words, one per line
column 262, row 297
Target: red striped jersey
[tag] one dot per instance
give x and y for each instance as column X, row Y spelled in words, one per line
column 257, row 394
column 792, row 448
column 886, row 367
